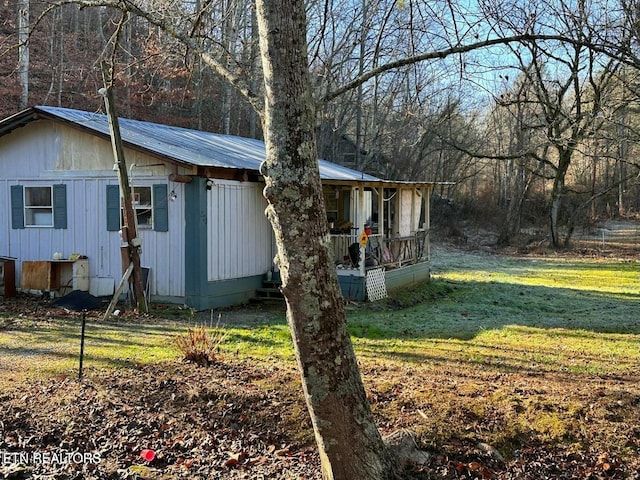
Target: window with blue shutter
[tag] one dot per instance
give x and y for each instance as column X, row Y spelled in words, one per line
column 17, row 206
column 39, row 206
column 151, row 209
column 60, row 206
column 160, row 208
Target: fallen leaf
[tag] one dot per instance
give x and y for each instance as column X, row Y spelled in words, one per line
column 282, row 452
column 473, row 466
column 234, row 459
column 460, row 467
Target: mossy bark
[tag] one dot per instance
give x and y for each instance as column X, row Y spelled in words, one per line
column 350, row 445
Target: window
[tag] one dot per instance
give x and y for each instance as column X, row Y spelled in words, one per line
column 41, row 206
column 38, row 206
column 149, row 204
column 142, row 207
column 349, row 159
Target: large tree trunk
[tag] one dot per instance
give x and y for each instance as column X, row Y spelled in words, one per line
column 556, row 200
column 558, row 192
column 350, row 445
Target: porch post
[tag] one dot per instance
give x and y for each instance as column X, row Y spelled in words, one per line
column 361, row 221
column 413, row 223
column 389, row 225
column 426, row 204
column 381, row 230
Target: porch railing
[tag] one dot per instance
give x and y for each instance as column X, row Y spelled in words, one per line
column 341, row 244
column 393, row 252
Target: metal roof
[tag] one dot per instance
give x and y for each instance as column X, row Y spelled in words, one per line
column 187, row 146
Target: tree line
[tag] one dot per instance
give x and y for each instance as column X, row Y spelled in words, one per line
column 535, row 132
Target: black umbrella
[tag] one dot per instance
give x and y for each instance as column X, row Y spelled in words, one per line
column 78, row 301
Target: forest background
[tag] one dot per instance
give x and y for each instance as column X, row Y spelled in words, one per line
column 538, row 135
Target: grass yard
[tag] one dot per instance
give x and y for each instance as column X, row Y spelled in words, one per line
column 505, row 367
column 42, row 346
column 498, row 312
column 517, row 353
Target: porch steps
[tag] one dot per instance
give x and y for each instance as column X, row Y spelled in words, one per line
column 269, row 292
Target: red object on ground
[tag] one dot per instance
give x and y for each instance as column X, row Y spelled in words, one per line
column 147, row 454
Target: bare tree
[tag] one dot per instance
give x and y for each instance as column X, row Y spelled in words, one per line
column 568, row 83
column 23, row 51
column 512, row 134
column 350, row 444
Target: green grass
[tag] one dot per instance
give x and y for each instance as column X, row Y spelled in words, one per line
column 599, row 275
column 510, row 313
column 272, row 341
column 51, row 346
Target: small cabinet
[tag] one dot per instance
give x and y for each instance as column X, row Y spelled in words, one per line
column 7, row 277
column 57, row 276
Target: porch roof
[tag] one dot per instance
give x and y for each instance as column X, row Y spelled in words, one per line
column 189, row 147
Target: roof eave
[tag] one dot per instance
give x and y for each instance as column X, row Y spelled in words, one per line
column 17, row 120
column 384, row 183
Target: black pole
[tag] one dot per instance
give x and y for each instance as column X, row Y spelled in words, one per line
column 84, row 321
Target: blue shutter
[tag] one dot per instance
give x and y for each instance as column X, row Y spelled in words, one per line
column 160, row 208
column 113, row 208
column 17, row 207
column 60, row 206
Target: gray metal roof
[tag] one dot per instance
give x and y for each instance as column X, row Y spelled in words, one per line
column 192, row 147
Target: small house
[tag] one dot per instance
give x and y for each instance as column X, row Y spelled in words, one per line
column 199, row 207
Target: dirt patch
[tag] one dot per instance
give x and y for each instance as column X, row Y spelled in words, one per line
column 246, row 419
column 223, row 421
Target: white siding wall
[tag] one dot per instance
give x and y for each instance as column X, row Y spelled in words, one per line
column 33, row 156
column 240, row 238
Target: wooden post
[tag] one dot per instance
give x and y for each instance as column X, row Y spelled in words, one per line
column 381, row 230
column 84, row 323
column 129, row 230
column 413, row 225
column 116, row 294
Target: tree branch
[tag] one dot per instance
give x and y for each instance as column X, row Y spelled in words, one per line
column 441, row 54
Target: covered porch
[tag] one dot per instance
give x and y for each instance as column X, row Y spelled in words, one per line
column 379, row 234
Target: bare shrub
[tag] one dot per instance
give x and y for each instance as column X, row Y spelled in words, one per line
column 201, row 345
